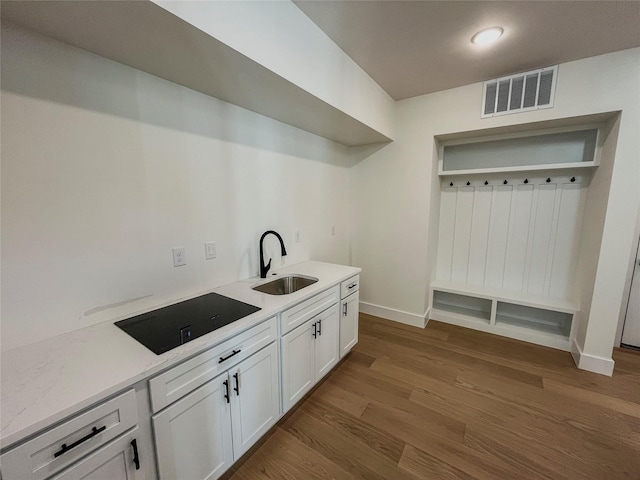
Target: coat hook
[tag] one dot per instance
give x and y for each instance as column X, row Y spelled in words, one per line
column 573, row 179
column 451, row 184
column 526, row 180
column 548, row 179
column 468, row 183
column 505, row 182
column 486, row 183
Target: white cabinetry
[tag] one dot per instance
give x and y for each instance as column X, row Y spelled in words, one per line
column 200, row 435
column 553, row 149
column 536, row 319
column 204, row 413
column 118, row 460
column 255, row 398
column 349, row 314
column 66, row 446
column 308, row 353
column 193, row 436
column 511, row 215
column 298, row 360
column 175, row 383
column 326, row 342
column 300, row 313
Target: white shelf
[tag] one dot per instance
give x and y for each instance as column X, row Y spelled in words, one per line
column 546, row 321
column 548, row 150
column 510, row 331
column 474, row 307
column 145, row 36
column 523, row 169
column 531, row 318
column 546, row 339
column 535, row 301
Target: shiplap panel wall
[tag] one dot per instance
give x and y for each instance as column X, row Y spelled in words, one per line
column 520, row 237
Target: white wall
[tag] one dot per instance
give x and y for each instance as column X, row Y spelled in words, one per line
column 280, row 37
column 105, row 169
column 396, row 194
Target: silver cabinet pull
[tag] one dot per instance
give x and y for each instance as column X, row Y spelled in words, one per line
column 345, row 309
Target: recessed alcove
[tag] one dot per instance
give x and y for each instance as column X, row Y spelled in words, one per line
column 519, row 226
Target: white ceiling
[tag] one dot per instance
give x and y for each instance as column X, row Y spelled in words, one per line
column 415, row 47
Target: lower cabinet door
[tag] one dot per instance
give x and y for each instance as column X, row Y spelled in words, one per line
column 193, row 436
column 349, row 323
column 117, row 460
column 326, row 347
column 298, row 373
column 255, row 398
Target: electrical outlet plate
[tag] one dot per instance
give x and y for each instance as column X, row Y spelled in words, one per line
column 297, row 236
column 179, row 256
column 210, row 250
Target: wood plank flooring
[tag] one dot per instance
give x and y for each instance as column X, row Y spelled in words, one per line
column 446, row 402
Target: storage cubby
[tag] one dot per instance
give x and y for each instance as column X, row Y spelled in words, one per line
column 531, row 152
column 531, row 318
column 472, row 307
column 512, row 206
column 535, row 319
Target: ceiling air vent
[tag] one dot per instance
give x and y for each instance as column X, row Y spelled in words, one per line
column 519, row 93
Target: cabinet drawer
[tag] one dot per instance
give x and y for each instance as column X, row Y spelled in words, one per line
column 114, row 461
column 350, row 286
column 302, row 312
column 175, row 383
column 36, row 459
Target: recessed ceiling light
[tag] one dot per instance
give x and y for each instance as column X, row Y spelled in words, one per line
column 487, row 36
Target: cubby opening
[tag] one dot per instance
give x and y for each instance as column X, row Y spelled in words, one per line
column 478, row 308
column 573, row 147
column 535, row 319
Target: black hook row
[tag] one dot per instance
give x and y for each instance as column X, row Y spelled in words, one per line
column 505, row 182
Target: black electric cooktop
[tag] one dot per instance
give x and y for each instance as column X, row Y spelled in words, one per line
column 169, row 327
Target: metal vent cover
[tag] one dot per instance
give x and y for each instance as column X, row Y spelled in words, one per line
column 521, row 92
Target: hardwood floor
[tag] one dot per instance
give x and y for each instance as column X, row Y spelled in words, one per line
column 446, row 402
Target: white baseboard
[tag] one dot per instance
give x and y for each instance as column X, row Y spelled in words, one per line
column 591, row 363
column 395, row 315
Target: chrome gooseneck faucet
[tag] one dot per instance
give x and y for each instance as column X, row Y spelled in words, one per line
column 265, row 268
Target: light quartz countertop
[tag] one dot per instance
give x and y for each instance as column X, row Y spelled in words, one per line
column 42, row 383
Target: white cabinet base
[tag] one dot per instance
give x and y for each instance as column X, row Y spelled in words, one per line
column 308, row 353
column 114, row 461
column 201, row 435
column 43, row 456
column 255, row 398
column 193, row 436
column 349, row 323
column 326, row 345
column 298, row 373
column 534, row 319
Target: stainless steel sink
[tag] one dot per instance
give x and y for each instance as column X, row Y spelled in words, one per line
column 285, row 284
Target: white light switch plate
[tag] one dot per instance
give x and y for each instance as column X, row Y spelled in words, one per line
column 179, row 256
column 210, row 250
